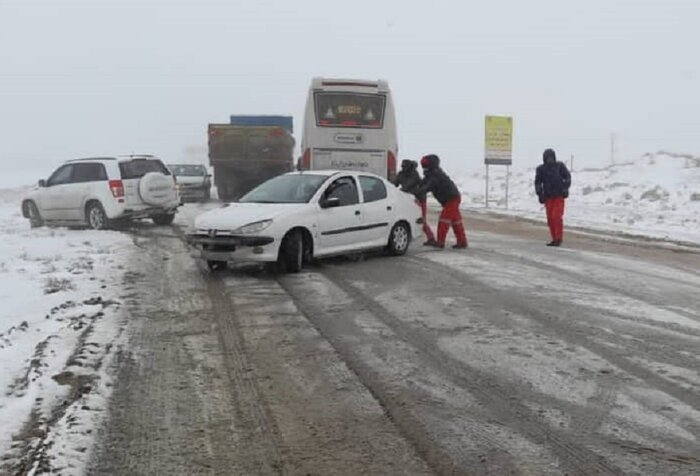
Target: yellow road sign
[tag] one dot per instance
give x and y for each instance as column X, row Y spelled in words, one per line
column 498, row 140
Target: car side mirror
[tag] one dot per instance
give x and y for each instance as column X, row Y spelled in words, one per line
column 42, row 183
column 330, row 202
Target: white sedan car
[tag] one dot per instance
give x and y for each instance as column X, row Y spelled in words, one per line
column 298, row 216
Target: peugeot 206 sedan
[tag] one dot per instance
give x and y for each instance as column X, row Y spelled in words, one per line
column 295, row 217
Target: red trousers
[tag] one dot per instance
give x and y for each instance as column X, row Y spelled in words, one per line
column 451, row 216
column 555, row 217
column 424, row 213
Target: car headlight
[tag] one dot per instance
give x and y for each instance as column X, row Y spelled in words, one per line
column 252, row 227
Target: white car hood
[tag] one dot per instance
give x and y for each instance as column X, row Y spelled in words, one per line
column 190, row 179
column 236, row 215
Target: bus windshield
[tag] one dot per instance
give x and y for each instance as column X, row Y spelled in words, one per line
column 349, row 110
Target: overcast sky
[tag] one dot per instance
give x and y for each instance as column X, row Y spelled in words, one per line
column 106, row 77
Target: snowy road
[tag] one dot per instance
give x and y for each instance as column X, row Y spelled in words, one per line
column 507, row 358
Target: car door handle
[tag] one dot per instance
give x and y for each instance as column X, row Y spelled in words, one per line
column 357, row 212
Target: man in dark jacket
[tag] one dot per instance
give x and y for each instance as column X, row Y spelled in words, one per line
column 552, row 182
column 436, row 181
column 408, row 180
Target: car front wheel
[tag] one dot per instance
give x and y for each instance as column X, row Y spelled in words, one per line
column 399, row 239
column 292, row 252
column 35, row 219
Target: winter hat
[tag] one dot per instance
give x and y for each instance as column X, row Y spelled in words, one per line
column 407, row 164
column 430, row 161
column 549, row 156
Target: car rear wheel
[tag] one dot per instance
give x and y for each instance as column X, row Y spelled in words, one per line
column 96, row 217
column 399, row 239
column 35, row 219
column 163, row 219
column 292, row 252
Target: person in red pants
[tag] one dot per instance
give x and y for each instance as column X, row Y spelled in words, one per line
column 408, row 180
column 552, row 182
column 436, row 181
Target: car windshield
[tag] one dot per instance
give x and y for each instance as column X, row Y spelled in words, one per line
column 188, row 170
column 298, row 188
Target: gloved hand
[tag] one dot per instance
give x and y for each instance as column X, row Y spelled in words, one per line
column 565, row 194
column 541, row 198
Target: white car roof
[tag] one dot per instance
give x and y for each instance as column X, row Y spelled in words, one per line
column 119, row 158
column 329, row 173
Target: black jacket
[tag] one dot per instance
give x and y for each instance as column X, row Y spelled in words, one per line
column 552, row 179
column 408, row 180
column 437, row 182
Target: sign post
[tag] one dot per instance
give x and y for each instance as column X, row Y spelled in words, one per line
column 498, row 147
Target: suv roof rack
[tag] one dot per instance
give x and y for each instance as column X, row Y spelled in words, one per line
column 86, row 159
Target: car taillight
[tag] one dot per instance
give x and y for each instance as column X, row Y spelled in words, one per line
column 306, row 160
column 390, row 165
column 117, row 188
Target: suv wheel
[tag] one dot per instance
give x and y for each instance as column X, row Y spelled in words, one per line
column 163, row 219
column 35, row 219
column 96, row 216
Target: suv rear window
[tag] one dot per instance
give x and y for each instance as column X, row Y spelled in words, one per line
column 137, row 168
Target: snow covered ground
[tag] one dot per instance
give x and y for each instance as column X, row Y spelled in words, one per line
column 656, row 196
column 60, row 328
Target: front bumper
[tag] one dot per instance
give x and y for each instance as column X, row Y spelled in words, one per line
column 193, row 193
column 242, row 248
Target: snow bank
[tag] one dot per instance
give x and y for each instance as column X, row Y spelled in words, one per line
column 60, row 326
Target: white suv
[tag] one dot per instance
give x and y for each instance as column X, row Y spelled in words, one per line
column 104, row 190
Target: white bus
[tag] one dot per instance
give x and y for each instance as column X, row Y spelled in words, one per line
column 350, row 125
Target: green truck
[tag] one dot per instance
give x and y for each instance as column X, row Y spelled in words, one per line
column 248, row 151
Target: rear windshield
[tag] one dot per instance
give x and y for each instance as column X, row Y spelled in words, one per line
column 137, row 168
column 350, row 110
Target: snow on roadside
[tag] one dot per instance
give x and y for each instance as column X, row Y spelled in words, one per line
column 656, row 196
column 60, row 328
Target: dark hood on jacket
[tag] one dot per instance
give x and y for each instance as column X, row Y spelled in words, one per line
column 409, row 165
column 430, row 162
column 549, row 156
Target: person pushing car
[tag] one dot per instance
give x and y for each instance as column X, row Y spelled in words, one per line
column 408, row 180
column 437, row 182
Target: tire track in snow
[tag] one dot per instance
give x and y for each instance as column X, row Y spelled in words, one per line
column 569, row 330
column 490, row 393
